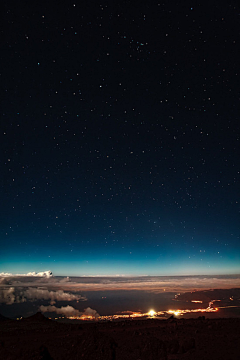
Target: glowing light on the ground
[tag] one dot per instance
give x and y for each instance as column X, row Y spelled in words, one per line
column 152, row 313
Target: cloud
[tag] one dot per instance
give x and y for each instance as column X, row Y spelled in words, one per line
column 69, row 311
column 6, row 274
column 90, row 312
column 64, row 310
column 7, row 296
column 46, row 274
column 10, row 295
column 65, row 279
column 156, row 284
column 34, row 294
column 4, row 281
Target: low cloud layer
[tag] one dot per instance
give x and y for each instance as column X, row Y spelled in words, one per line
column 155, row 284
column 69, row 311
column 11, row 295
column 25, row 288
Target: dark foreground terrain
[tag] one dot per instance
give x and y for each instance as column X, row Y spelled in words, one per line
column 40, row 338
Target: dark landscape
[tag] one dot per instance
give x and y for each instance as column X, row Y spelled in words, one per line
column 37, row 337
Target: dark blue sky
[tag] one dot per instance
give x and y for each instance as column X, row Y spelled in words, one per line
column 120, row 139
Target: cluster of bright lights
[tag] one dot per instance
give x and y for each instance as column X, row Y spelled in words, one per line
column 151, row 314
column 186, row 311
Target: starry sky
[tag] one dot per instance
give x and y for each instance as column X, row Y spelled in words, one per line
column 120, row 138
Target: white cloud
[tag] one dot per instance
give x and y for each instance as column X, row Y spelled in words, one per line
column 64, row 310
column 10, row 295
column 46, row 274
column 88, row 311
column 6, row 274
column 33, row 294
column 69, row 311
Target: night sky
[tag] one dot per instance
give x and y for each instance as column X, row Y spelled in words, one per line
column 120, row 138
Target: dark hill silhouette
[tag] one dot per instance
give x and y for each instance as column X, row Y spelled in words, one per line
column 3, row 318
column 38, row 317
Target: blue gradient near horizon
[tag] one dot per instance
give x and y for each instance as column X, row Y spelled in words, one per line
column 164, row 254
column 125, row 267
